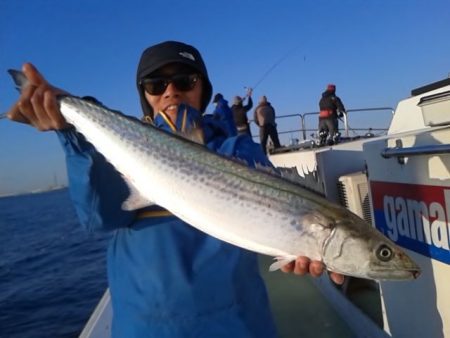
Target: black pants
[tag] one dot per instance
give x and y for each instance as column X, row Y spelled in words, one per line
column 264, row 133
column 328, row 130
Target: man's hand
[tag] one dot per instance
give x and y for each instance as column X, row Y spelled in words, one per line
column 37, row 103
column 304, row 265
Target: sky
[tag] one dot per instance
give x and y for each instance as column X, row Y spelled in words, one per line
column 374, row 51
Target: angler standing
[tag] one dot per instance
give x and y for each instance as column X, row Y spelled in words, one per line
column 240, row 113
column 331, row 108
column 265, row 119
column 166, row 278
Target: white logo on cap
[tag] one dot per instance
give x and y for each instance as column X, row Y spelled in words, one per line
column 187, row 55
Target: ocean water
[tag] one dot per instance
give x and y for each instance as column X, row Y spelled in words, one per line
column 52, row 271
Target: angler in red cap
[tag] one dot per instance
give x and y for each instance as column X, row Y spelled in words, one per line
column 331, row 108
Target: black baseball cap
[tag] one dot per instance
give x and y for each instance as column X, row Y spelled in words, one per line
column 159, row 55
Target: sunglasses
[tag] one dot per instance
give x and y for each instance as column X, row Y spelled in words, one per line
column 158, row 85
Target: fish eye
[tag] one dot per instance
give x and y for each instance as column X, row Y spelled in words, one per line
column 384, row 253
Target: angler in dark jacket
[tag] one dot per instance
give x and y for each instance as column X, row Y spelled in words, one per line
column 240, row 113
column 265, row 119
column 331, row 108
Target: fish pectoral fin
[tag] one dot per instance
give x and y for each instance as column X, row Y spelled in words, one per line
column 135, row 200
column 280, row 262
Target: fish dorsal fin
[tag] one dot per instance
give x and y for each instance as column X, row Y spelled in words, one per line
column 309, row 179
column 267, row 169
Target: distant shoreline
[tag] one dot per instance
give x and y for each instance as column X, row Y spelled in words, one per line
column 36, row 191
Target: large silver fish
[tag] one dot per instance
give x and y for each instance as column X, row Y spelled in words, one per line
column 251, row 208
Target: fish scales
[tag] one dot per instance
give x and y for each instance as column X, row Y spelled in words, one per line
column 256, row 196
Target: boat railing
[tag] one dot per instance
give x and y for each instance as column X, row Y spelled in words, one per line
column 304, row 118
column 400, row 153
column 290, row 131
column 345, row 119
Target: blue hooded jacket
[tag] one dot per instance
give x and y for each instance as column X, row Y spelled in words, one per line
column 223, row 113
column 166, row 278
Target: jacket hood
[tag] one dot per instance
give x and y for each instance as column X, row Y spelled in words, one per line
column 327, row 93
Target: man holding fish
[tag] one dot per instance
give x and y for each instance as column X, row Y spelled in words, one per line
column 167, row 279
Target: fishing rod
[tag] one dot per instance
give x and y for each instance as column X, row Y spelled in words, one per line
column 270, row 70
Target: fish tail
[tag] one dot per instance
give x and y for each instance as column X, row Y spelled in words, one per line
column 19, row 79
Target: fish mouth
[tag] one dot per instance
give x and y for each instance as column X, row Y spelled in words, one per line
column 395, row 274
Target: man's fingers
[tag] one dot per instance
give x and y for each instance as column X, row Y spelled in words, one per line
column 316, row 268
column 14, row 114
column 52, row 107
column 301, row 265
column 43, row 118
column 33, row 74
column 288, row 267
column 24, row 106
column 337, row 278
column 37, row 104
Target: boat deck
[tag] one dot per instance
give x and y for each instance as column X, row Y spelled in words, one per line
column 298, row 305
column 301, row 310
